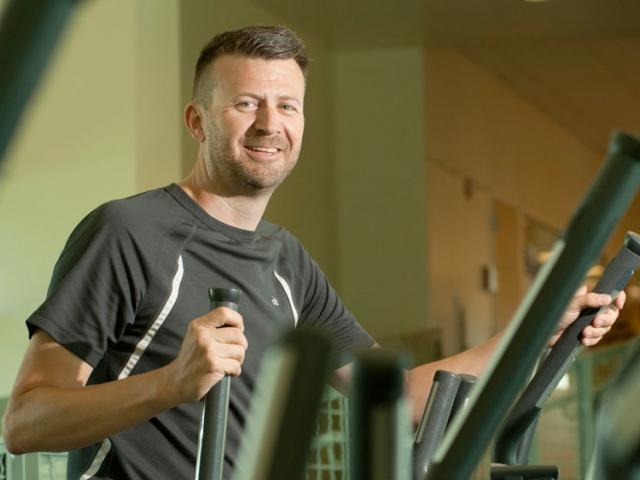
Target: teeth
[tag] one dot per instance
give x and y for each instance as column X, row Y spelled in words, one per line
column 263, row 149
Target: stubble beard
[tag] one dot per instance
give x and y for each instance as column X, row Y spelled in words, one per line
column 238, row 174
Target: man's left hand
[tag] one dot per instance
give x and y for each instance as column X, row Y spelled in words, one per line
column 601, row 324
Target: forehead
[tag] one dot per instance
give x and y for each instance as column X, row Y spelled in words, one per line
column 236, row 74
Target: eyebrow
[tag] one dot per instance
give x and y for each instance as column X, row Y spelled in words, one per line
column 291, row 98
column 259, row 97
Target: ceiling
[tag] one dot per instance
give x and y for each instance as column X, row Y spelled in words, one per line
column 576, row 60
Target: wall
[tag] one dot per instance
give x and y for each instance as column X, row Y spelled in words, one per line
column 459, row 222
column 157, row 87
column 478, row 126
column 379, row 125
column 523, row 165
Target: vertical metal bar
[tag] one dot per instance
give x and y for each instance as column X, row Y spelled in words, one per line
column 213, row 425
column 347, row 439
column 380, row 420
column 31, row 466
column 586, row 428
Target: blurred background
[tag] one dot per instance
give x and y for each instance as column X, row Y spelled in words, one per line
column 447, row 144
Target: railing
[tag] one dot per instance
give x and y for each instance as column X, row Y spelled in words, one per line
column 329, row 453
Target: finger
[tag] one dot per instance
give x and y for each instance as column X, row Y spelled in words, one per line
column 621, row 299
column 594, row 300
column 223, row 316
column 230, row 352
column 606, row 317
column 231, row 335
column 590, row 342
column 582, row 299
column 595, row 332
column 231, row 367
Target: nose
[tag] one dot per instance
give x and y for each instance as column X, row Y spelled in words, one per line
column 267, row 122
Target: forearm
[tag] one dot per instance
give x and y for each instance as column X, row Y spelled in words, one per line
column 57, row 419
column 473, row 362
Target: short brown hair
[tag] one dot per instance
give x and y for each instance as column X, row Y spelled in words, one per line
column 269, row 43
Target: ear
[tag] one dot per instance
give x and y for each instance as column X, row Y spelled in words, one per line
column 194, row 119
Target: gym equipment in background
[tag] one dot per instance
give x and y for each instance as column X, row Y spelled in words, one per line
column 461, row 402
column 435, row 418
column 532, row 326
column 213, row 425
column 526, row 410
column 513, row 440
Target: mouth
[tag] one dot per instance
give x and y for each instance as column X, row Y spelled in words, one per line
column 263, row 153
column 262, row 149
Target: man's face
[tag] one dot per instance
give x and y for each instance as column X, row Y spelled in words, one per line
column 254, row 123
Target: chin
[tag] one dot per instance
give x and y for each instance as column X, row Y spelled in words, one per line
column 265, row 180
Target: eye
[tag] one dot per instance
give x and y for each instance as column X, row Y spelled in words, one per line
column 287, row 107
column 246, row 106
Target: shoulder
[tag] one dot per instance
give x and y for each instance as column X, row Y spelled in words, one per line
column 289, row 244
column 135, row 214
column 292, row 253
column 142, row 219
column 135, row 210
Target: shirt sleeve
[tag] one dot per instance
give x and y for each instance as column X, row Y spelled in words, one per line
column 97, row 284
column 322, row 308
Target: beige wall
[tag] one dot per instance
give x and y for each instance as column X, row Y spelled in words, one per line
column 522, row 164
column 157, row 93
column 478, row 126
column 460, row 245
column 379, row 122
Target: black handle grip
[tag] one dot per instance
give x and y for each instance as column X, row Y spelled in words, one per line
column 527, row 408
column 435, row 418
column 213, row 425
column 463, row 395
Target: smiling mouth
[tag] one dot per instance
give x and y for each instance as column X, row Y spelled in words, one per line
column 262, row 149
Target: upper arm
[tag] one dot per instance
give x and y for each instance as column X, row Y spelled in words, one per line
column 47, row 363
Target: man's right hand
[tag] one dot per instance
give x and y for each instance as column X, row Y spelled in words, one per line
column 52, row 409
column 214, row 346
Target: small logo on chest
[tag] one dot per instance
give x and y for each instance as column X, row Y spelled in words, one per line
column 274, row 302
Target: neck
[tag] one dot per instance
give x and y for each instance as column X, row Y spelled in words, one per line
column 237, row 210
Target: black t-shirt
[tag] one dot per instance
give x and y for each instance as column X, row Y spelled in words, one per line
column 133, row 274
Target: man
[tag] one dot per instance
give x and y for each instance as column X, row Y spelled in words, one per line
column 123, row 348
